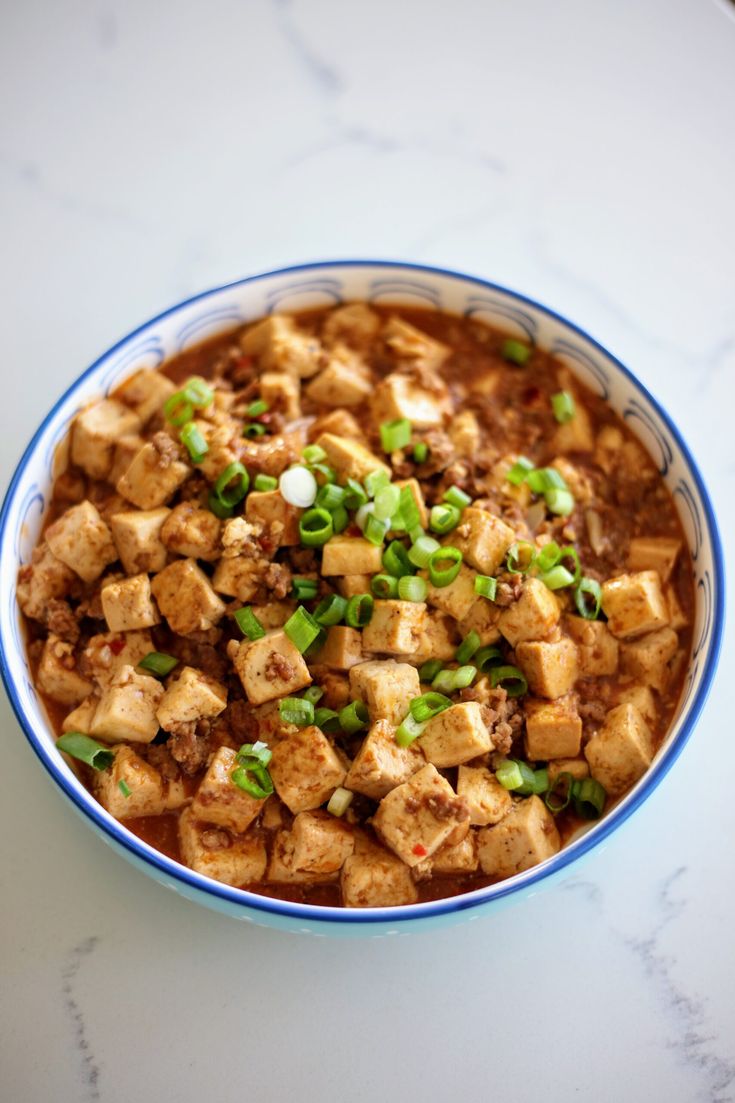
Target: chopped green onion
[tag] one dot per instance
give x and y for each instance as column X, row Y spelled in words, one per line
column 375, row 481
column 313, row 453
column 422, row 550
column 296, row 710
column 415, row 533
column 557, row 577
column 540, row 781
column 384, row 586
column 443, row 575
column 264, row 483
column 375, row 531
column 515, row 351
column 562, row 404
column 409, row 508
column 395, row 434
column 330, row 496
column 487, row 658
column 510, row 678
column 589, row 798
column 340, row 519
column 253, row 780
column 86, row 750
column 560, row 793
column 548, row 556
column 223, row 512
column 301, row 629
column 421, row 452
column 456, row 497
column 258, row 754
column 177, row 409
column 198, row 393
column 387, row 501
column 326, row 719
column 304, row 589
column 444, row 518
column 254, row 430
column 396, row 560
column 468, row 647
column 194, row 442
column 448, row 681
column 323, row 473
column 353, row 717
column 249, row 624
column 588, row 598
column 313, row 694
column 255, row 409
column 412, row 588
column 158, row 663
column 340, row 801
column 355, row 495
column 560, row 502
column 528, row 780
column 428, row 705
column 318, row 643
column 408, row 730
column 520, row 469
column 429, row 670
column 330, row 610
column 124, row 787
column 298, row 486
column 486, row 586
column 229, row 495
column 570, row 553
column 315, row 528
column 359, row 610
column 542, row 479
column 520, row 557
column 509, row 774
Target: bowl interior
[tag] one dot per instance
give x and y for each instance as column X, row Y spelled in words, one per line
column 325, row 285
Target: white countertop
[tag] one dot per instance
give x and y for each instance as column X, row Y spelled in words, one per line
column 580, row 151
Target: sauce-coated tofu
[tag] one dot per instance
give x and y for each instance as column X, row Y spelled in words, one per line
column 82, row 540
column 150, row 794
column 146, row 392
column 57, row 675
column 532, row 616
column 186, row 598
column 127, row 708
column 621, row 751
column 239, row 576
column 128, row 605
column 214, row 852
column 458, row 859
column 647, row 658
column 410, row 343
column 439, row 639
column 193, row 695
column 643, row 699
column 464, row 433
column 654, row 553
column 345, row 381
column 351, row 459
column 483, row 539
column 458, row 598
column 549, row 666
column 305, row 769
column 553, row 729
column 342, row 648
column 218, row 800
column 95, row 432
column 271, row 509
column 386, row 687
column 355, row 323
column 321, row 842
column 482, row 618
column 282, row 346
column 597, row 648
column 350, row 555
column 282, row 869
column 45, row 577
column 108, row 652
column 577, row 434
column 374, row 878
column 270, row 667
column 152, row 478
column 395, row 627
column 483, row 794
column 577, row 767
column 137, row 536
column 282, row 393
column 191, row 531
column 80, row 718
column 634, row 604
column 524, row 837
column 380, row 764
column 419, row 816
column 399, row 396
column 456, row 735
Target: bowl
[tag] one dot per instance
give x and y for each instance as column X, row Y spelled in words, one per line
column 324, row 284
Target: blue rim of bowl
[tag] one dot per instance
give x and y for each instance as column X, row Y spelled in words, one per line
column 447, row 905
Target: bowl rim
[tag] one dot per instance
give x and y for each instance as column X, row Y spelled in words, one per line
column 445, row 906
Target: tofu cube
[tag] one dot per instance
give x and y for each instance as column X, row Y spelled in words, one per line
column 321, row 842
column 282, row 346
column 282, row 393
column 349, row 555
column 654, row 553
column 82, row 540
column 305, row 769
column 218, row 800
column 123, row 456
column 677, row 617
column 340, row 423
column 386, row 687
column 532, row 616
column 524, row 837
column 647, row 658
column 350, row 584
column 439, row 639
column 550, row 667
column 458, row 598
column 576, row 435
column 240, row 576
column 150, row 793
column 458, row 859
column 193, row 532
column 483, row 618
column 351, row 459
column 127, row 604
column 232, row 859
column 380, row 764
column 643, row 699
column 464, row 433
column 281, row 867
column 95, row 432
column 483, row 539
column 456, row 735
column 399, row 396
column 193, row 695
column 273, row 614
column 152, row 478
column 483, row 794
column 410, row 343
column 270, row 509
column 137, row 536
column 395, row 628
column 342, row 648
column 45, row 577
column 374, row 878
column 80, row 718
column 353, row 322
column 621, row 751
column 186, row 598
column 553, row 729
column 126, row 711
column 57, row 675
column 577, row 767
column 634, row 604
column 146, row 392
column 270, row 667
column 419, row 816
column 345, row 381
column 108, row 652
column 597, row 648
column 221, row 451
column 417, row 494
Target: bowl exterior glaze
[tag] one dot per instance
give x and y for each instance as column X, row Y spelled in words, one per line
column 326, row 284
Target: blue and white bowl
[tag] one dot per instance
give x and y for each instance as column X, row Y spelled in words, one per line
column 325, row 284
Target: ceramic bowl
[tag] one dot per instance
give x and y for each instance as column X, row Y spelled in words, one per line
column 325, row 284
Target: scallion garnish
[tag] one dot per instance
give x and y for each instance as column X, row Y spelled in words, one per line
column 258, row 754
column 421, row 451
column 395, row 434
column 444, row 565
column 375, row 481
column 510, row 678
column 559, row 794
column 387, row 501
column 588, row 598
column 254, row 430
column 509, row 774
column 359, row 610
column 449, row 681
column 520, row 469
column 515, row 351
column 198, row 392
column 86, row 750
column 304, row 589
column 326, row 719
column 231, row 486
column 353, row 717
column 253, row 780
column 409, row 508
column 296, row 710
column 330, row 496
column 248, row 623
column 557, row 578
column 315, row 528
column 313, row 453
column 223, row 512
column 486, row 658
column 313, row 694
column 560, row 502
column 412, row 588
column 124, row 787
column 429, row 670
column 355, row 494
column 194, row 442
column 177, row 409
column 340, row 519
column 589, row 798
column 562, row 405
column 255, row 409
column 457, row 497
column 422, row 550
column 340, row 801
column 520, row 557
column 396, row 560
column 301, row 629
column 158, row 663
column 330, row 610
column 548, row 556
column 468, row 647
column 375, row 531
column 265, row 483
column 486, row 586
column 408, row 730
column 443, row 518
column 384, row 586
column 429, row 704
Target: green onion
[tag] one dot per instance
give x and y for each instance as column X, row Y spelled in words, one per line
column 444, row 518
column 375, row 481
column 355, row 495
column 448, row 681
column 562, row 404
column 570, row 553
column 415, row 533
column 395, row 434
column 301, row 629
column 412, row 588
column 509, row 774
column 557, row 577
column 560, row 502
column 253, row 780
column 255, row 409
column 158, row 663
column 422, row 550
column 515, row 351
column 323, row 473
column 427, row 705
column 340, row 519
column 229, row 495
column 326, row 719
column 315, row 528
column 254, row 430
column 468, row 647
column 198, row 393
column 254, row 754
column 429, row 670
column 353, row 717
column 375, row 531
column 296, row 710
column 443, row 575
column 409, row 508
column 249, row 624
column 124, row 787
column 313, row 453
column 387, row 501
column 542, row 479
column 487, row 658
column 486, row 586
column 194, row 442
column 456, row 497
column 86, row 750
column 219, row 510
column 421, row 452
column 408, row 730
column 548, row 556
column 520, row 557
column 384, row 586
column 313, row 694
column 304, row 589
column 177, row 409
column 340, row 801
column 540, row 780
column 359, row 610
column 520, row 469
column 264, row 483
column 588, row 598
column 589, row 798
column 510, row 678
column 330, row 610
column 560, row 793
column 330, row 496
column 528, row 780
column 317, row 643
column 396, row 560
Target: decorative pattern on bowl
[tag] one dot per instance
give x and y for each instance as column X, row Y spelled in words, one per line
column 325, row 284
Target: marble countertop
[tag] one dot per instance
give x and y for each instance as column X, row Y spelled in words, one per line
column 580, row 152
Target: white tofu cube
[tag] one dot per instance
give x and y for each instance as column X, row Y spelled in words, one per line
column 353, row 322
column 419, row 816
column 483, row 794
column 219, row 800
column 621, row 751
column 45, row 577
column 342, row 648
column 380, row 764
column 273, row 614
column 532, row 616
column 80, row 718
column 634, row 604
column 644, row 701
column 152, row 478
column 350, row 459
column 270, row 667
column 240, row 576
column 281, row 867
column 553, row 729
column 128, row 605
column 282, row 346
column 82, row 540
column 347, row 585
column 647, row 658
column 464, row 433
column 57, row 675
column 526, row 836
column 146, row 392
column 395, row 628
column 126, row 711
column 457, row 860
column 193, row 532
column 95, row 432
column 576, row 435
column 345, row 381
column 192, row 695
column 321, row 842
column 386, row 687
column 456, row 735
column 577, row 767
column 149, row 793
column 271, row 510
column 439, row 639
column 108, row 652
column 482, row 618
column 483, row 539
column 349, row 555
column 399, row 396
column 305, row 769
column 410, row 343
column 137, row 536
column 232, row 859
column 374, row 878
column 654, row 553
column 597, row 648
column 550, row 667
column 282, row 393
column 458, row 598
column 186, row 598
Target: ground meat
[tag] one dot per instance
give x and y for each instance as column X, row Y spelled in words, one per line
column 592, row 710
column 215, row 838
column 202, row 655
column 168, row 450
column 443, row 807
column 239, row 719
column 195, row 489
column 190, row 745
column 508, row 589
column 270, row 458
column 441, row 453
column 160, row 756
column 61, row 620
column 278, row 580
column 303, row 560
column 277, row 667
column 502, row 715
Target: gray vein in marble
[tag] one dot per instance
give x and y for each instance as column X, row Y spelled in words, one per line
column 325, row 78
column 89, row 1068
column 694, row 1044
